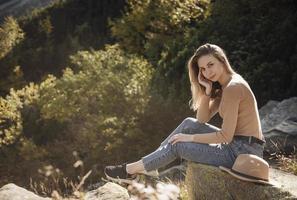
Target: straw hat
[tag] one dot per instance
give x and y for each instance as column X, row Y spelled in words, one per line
column 249, row 167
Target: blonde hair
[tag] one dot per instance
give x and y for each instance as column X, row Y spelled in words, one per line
column 196, row 88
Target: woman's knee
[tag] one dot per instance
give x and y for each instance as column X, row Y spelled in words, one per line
column 190, row 122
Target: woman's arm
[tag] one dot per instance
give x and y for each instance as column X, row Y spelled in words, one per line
column 230, row 108
column 208, row 108
column 205, row 138
column 212, row 138
column 190, row 138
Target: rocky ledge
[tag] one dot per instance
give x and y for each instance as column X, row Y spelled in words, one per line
column 208, row 182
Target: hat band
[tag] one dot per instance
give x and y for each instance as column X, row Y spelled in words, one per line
column 248, row 176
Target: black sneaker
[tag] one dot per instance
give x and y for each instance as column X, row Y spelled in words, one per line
column 119, row 174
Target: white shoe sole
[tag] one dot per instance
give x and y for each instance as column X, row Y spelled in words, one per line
column 118, row 180
column 153, row 173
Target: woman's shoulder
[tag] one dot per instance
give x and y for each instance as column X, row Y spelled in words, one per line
column 236, row 82
column 235, row 87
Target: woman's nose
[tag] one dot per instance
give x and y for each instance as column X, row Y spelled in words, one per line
column 207, row 73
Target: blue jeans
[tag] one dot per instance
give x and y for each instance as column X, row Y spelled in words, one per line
column 211, row 154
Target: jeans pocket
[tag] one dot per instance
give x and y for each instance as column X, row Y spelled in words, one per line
column 242, row 147
column 254, row 148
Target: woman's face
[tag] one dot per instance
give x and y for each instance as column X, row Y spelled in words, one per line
column 210, row 67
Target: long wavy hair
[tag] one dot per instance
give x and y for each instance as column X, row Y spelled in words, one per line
column 196, row 88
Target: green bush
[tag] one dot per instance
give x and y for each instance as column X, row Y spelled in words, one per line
column 99, row 104
column 91, row 110
column 11, row 35
column 41, row 42
column 148, row 27
column 10, row 123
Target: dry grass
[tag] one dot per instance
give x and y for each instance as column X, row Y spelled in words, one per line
column 183, row 192
column 54, row 184
column 57, row 187
column 287, row 163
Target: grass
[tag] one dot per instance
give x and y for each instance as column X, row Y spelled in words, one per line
column 284, row 159
column 54, row 184
column 183, row 192
column 58, row 187
column 61, row 188
column 287, row 163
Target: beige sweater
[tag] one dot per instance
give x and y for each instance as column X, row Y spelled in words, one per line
column 238, row 109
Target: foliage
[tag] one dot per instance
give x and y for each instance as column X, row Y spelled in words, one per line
column 40, row 43
column 160, row 30
column 257, row 37
column 102, row 85
column 10, row 111
column 91, row 110
column 252, row 34
column 148, row 26
column 101, row 102
column 19, row 153
column 287, row 162
column 101, row 105
column 10, row 35
column 10, row 122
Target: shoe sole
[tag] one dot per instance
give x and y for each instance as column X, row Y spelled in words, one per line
column 118, row 180
column 153, row 173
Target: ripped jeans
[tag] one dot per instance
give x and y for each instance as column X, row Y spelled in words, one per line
column 211, row 154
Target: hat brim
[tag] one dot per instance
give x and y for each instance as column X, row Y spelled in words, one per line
column 245, row 178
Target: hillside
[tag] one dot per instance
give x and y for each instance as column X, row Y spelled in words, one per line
column 20, row 7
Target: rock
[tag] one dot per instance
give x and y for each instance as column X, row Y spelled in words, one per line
column 109, row 191
column 14, row 192
column 175, row 173
column 161, row 191
column 279, row 125
column 267, row 108
column 286, row 181
column 280, row 115
column 209, row 182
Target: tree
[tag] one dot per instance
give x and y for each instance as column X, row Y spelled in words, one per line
column 148, row 26
column 10, row 35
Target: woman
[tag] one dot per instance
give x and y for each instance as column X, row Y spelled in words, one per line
column 215, row 88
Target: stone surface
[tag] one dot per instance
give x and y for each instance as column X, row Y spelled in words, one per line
column 267, row 108
column 279, row 125
column 208, row 182
column 175, row 173
column 280, row 116
column 109, row 191
column 284, row 180
column 14, row 192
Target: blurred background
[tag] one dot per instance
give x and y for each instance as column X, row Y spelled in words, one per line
column 87, row 83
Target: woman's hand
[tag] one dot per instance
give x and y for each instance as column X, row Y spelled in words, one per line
column 206, row 83
column 180, row 137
